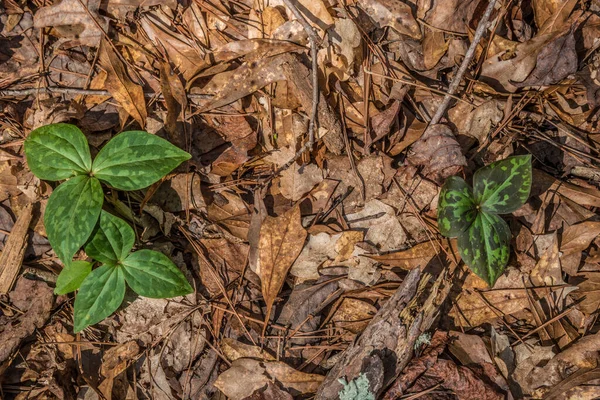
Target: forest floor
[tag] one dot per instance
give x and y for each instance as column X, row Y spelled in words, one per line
column 306, row 218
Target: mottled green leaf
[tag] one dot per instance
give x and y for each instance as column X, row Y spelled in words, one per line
column 71, row 276
column 484, row 247
column 100, row 294
column 57, row 151
column 456, row 207
column 71, row 214
column 136, row 159
column 502, row 187
column 111, row 241
column 152, row 274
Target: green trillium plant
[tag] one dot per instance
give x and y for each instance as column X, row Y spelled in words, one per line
column 74, row 217
column 471, row 214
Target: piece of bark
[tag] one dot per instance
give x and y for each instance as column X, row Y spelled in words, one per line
column 14, row 250
column 390, row 336
column 299, row 76
column 35, row 300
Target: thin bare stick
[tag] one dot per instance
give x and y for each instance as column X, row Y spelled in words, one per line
column 481, row 28
column 314, row 40
column 79, row 91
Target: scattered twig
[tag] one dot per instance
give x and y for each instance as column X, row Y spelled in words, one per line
column 314, row 40
column 481, row 28
column 79, row 91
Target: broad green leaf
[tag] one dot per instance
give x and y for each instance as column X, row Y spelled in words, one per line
column 456, row 207
column 136, row 159
column 111, row 241
column 152, row 274
column 502, row 187
column 71, row 214
column 484, row 247
column 57, row 151
column 71, row 276
column 100, row 294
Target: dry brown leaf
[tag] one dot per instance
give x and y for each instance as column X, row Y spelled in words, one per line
column 503, row 69
column 247, row 375
column 548, row 271
column 353, row 315
column 182, row 52
column 115, row 362
column 175, row 99
column 575, row 239
column 581, row 195
column 434, row 48
column 230, row 86
column 554, row 62
column 394, row 14
column 417, row 256
column 229, row 210
column 296, row 181
column 281, row 241
column 234, row 350
column 254, row 49
column 588, row 292
column 438, row 152
column 128, row 94
column 270, row 392
column 475, row 307
column 73, row 22
column 580, row 356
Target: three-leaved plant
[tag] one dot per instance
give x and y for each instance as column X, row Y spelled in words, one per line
column 74, row 217
column 471, row 214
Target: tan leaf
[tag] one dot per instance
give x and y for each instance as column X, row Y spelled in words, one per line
column 183, row 52
column 434, row 48
column 230, row 86
column 296, row 181
column 281, row 241
column 175, row 98
column 394, row 14
column 475, row 307
column 417, row 256
column 74, row 21
column 234, row 350
column 229, row 210
column 575, row 239
column 551, row 15
column 589, row 291
column 128, row 94
column 247, row 375
column 583, row 196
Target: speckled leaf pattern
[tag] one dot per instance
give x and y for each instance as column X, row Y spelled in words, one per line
column 71, row 214
column 100, row 294
column 57, row 151
column 485, row 246
column 111, row 241
column 71, row 276
column 136, row 159
column 502, row 187
column 152, row 274
column 456, row 207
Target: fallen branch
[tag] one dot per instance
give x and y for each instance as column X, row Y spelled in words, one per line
column 79, row 91
column 481, row 28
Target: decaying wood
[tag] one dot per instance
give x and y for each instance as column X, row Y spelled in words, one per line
column 386, row 345
column 14, row 250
